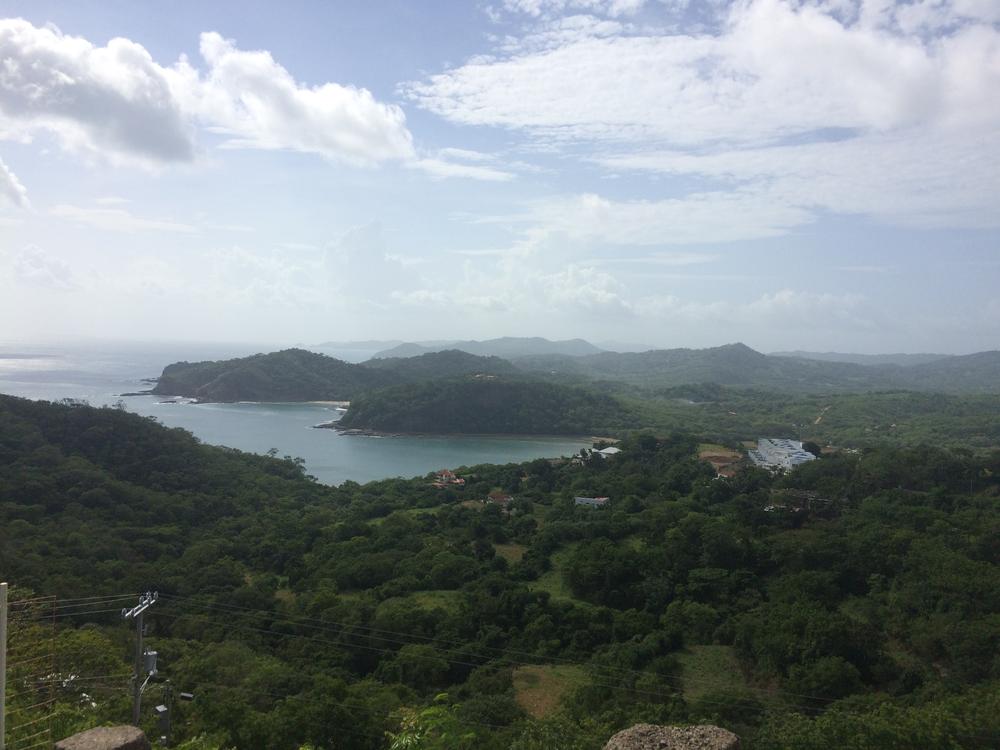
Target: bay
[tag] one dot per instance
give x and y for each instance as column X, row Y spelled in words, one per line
column 98, row 372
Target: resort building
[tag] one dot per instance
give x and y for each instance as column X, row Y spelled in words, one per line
column 591, row 502
column 779, row 453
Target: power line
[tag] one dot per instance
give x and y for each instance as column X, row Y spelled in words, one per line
column 402, row 638
column 808, row 709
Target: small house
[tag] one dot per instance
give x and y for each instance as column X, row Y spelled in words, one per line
column 499, row 498
column 447, row 478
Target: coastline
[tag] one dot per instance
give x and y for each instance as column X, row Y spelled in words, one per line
column 366, row 432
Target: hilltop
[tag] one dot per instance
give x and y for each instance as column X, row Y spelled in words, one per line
column 288, row 375
column 444, row 364
column 300, row 375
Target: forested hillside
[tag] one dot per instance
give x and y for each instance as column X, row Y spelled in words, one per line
column 445, row 364
column 488, row 405
column 737, row 365
column 852, row 603
column 288, row 375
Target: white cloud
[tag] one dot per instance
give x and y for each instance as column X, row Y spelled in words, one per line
column 11, row 189
column 256, row 103
column 112, row 100
column 441, row 169
column 584, row 288
column 775, row 69
column 785, row 309
column 117, row 103
column 697, row 218
column 789, row 109
column 117, row 220
column 35, row 267
column 665, row 258
column 542, row 8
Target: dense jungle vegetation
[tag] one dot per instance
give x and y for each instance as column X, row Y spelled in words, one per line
column 476, row 404
column 852, row 603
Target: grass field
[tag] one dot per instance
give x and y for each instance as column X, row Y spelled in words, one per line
column 708, row 669
column 539, row 689
column 447, row 600
column 512, row 553
column 552, row 581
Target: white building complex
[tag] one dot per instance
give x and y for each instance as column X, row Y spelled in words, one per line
column 779, row 453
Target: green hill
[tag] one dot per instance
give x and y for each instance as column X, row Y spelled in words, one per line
column 487, row 405
column 288, row 375
column 445, row 364
column 737, row 365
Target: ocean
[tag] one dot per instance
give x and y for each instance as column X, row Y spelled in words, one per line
column 99, row 372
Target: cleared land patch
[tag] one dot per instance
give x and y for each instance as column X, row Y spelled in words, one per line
column 709, row 669
column 512, row 553
column 538, row 689
column 447, row 600
column 553, row 580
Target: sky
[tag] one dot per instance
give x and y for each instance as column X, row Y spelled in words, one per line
column 820, row 175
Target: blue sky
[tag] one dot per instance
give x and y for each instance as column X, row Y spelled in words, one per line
column 817, row 175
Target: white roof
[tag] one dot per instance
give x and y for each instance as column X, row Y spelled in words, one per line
column 610, row 450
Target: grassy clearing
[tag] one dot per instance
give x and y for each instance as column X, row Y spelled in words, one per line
column 512, row 553
column 539, row 689
column 553, row 581
column 714, row 450
column 634, row 542
column 447, row 600
column 708, row 669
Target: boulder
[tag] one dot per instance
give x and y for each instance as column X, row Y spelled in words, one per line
column 106, row 738
column 652, row 737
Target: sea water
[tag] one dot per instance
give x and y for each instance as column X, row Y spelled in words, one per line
column 100, row 372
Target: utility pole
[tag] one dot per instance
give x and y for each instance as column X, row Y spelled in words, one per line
column 3, row 664
column 141, row 665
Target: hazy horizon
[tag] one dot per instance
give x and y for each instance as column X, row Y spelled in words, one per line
column 227, row 348
column 819, row 176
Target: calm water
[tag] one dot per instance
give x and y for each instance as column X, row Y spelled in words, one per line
column 99, row 373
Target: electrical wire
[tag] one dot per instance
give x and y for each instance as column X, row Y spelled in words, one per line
column 404, row 639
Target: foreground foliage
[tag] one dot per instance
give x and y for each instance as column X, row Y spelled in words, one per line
column 853, row 603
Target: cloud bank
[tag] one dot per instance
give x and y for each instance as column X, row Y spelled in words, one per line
column 782, row 111
column 116, row 103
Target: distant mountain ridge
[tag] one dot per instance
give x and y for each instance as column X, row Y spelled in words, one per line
column 737, row 365
column 299, row 375
column 506, row 347
column 903, row 360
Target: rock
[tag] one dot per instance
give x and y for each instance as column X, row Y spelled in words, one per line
column 106, row 738
column 652, row 737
